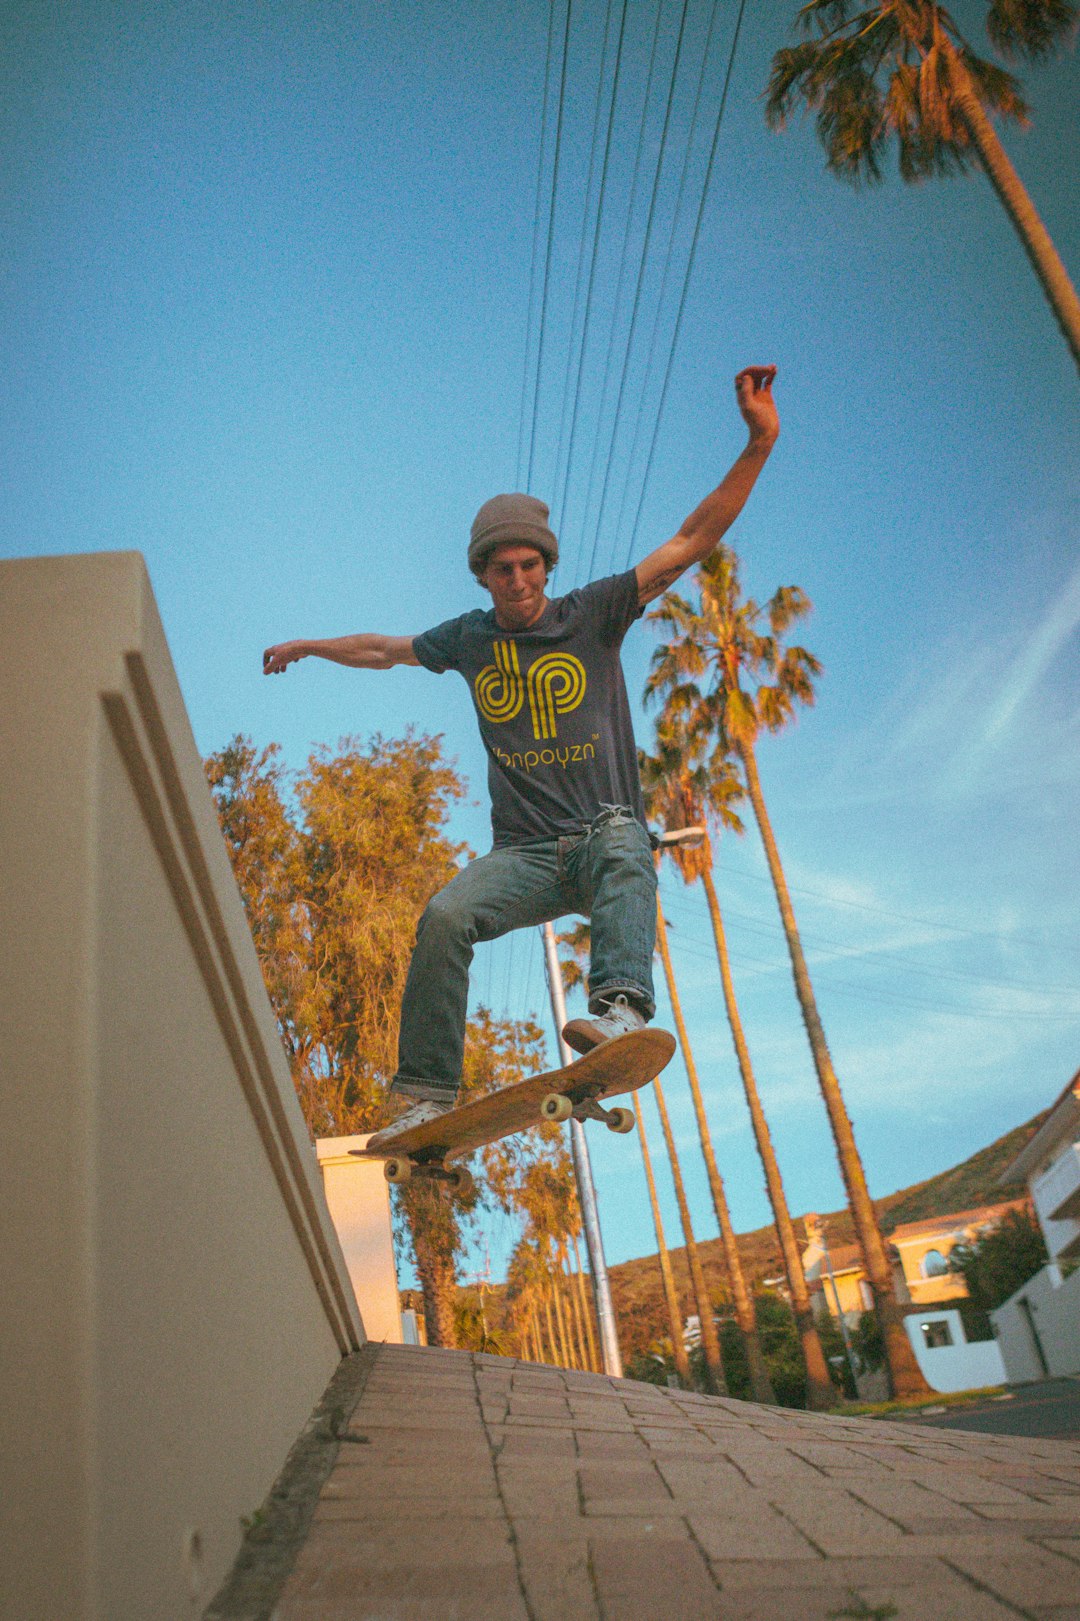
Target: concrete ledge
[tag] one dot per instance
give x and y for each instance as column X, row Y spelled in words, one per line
column 175, row 1295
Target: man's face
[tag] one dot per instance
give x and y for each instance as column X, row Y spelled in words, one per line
column 516, row 577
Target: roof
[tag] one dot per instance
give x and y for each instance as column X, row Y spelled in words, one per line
column 844, row 1258
column 1063, row 1119
column 979, row 1217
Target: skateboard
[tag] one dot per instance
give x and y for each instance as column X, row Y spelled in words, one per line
column 576, row 1090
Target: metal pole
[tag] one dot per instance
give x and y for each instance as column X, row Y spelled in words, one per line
column 839, row 1314
column 579, row 1149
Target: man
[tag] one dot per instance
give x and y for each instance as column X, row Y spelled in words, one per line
column 566, row 806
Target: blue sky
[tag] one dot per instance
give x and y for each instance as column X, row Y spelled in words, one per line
column 266, row 283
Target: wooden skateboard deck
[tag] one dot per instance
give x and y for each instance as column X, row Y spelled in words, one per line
column 578, row 1089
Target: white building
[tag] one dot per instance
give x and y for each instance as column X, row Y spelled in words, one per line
column 1038, row 1328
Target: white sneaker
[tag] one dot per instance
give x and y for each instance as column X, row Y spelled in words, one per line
column 618, row 1019
column 418, row 1115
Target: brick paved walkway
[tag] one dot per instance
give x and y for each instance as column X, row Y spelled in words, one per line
column 475, row 1487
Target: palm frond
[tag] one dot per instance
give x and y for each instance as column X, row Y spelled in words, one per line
column 997, row 89
column 1030, row 29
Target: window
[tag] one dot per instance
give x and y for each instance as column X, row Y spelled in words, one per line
column 936, row 1334
column 934, row 1265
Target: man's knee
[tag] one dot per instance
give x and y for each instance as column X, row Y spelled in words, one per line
column 445, row 920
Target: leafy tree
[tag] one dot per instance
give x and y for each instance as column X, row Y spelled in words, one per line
column 867, row 1342
column 781, row 1346
column 699, row 673
column 901, row 69
column 840, row 1370
column 334, row 868
column 1002, row 1260
column 498, row 1052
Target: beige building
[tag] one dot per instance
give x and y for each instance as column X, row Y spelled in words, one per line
column 919, row 1250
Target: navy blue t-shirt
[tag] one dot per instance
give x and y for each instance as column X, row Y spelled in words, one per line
column 552, row 708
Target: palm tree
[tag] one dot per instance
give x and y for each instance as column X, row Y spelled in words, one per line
column 577, row 939
column 684, row 790
column 902, row 68
column 717, row 645
column 710, row 1340
column 760, row 1384
column 667, row 1276
column 584, row 1297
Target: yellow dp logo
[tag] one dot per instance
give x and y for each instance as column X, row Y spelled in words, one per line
column 555, row 685
column 500, row 691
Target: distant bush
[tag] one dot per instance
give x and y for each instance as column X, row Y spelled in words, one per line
column 1001, row 1261
column 867, row 1341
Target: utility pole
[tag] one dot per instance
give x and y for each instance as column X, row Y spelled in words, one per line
column 845, row 1336
column 579, row 1149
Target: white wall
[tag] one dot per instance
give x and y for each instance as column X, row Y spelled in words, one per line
column 175, row 1298
column 1055, row 1312
column 359, row 1201
column 960, row 1366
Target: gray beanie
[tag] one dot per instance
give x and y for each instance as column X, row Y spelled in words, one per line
column 508, row 518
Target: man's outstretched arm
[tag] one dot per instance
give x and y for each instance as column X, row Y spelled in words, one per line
column 709, row 522
column 362, row 652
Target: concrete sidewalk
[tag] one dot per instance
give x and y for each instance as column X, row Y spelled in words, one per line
column 469, row 1487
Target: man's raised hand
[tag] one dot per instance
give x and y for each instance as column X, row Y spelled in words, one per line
column 276, row 660
column 753, row 391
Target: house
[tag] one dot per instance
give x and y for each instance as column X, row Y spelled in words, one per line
column 1038, row 1328
column 924, row 1248
column 834, row 1275
column 919, row 1251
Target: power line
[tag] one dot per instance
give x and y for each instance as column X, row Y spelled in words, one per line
column 550, row 240
column 635, row 309
column 752, row 924
column 686, row 279
column 893, row 998
column 579, row 277
column 675, row 219
column 535, row 244
column 592, row 270
column 623, row 256
column 903, row 917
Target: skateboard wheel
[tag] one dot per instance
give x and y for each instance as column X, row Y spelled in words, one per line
column 397, row 1170
column 460, row 1180
column 556, row 1107
column 620, row 1120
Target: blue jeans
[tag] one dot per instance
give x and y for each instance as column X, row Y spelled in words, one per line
column 605, row 872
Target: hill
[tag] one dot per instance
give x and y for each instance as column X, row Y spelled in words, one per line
column 636, row 1288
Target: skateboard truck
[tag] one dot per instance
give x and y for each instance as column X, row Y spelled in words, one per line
column 583, row 1105
column 401, row 1169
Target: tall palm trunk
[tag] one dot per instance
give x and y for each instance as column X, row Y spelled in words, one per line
column 904, row 1372
column 1017, row 203
column 538, row 1334
column 574, row 1330
column 586, row 1310
column 553, row 1344
column 564, row 1344
column 710, row 1343
column 821, row 1394
column 760, row 1384
column 434, row 1250
column 575, row 1312
column 667, row 1277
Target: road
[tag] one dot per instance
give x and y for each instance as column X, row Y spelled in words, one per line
column 1049, row 1410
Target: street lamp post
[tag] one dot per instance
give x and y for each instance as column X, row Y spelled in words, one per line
column 579, row 1149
